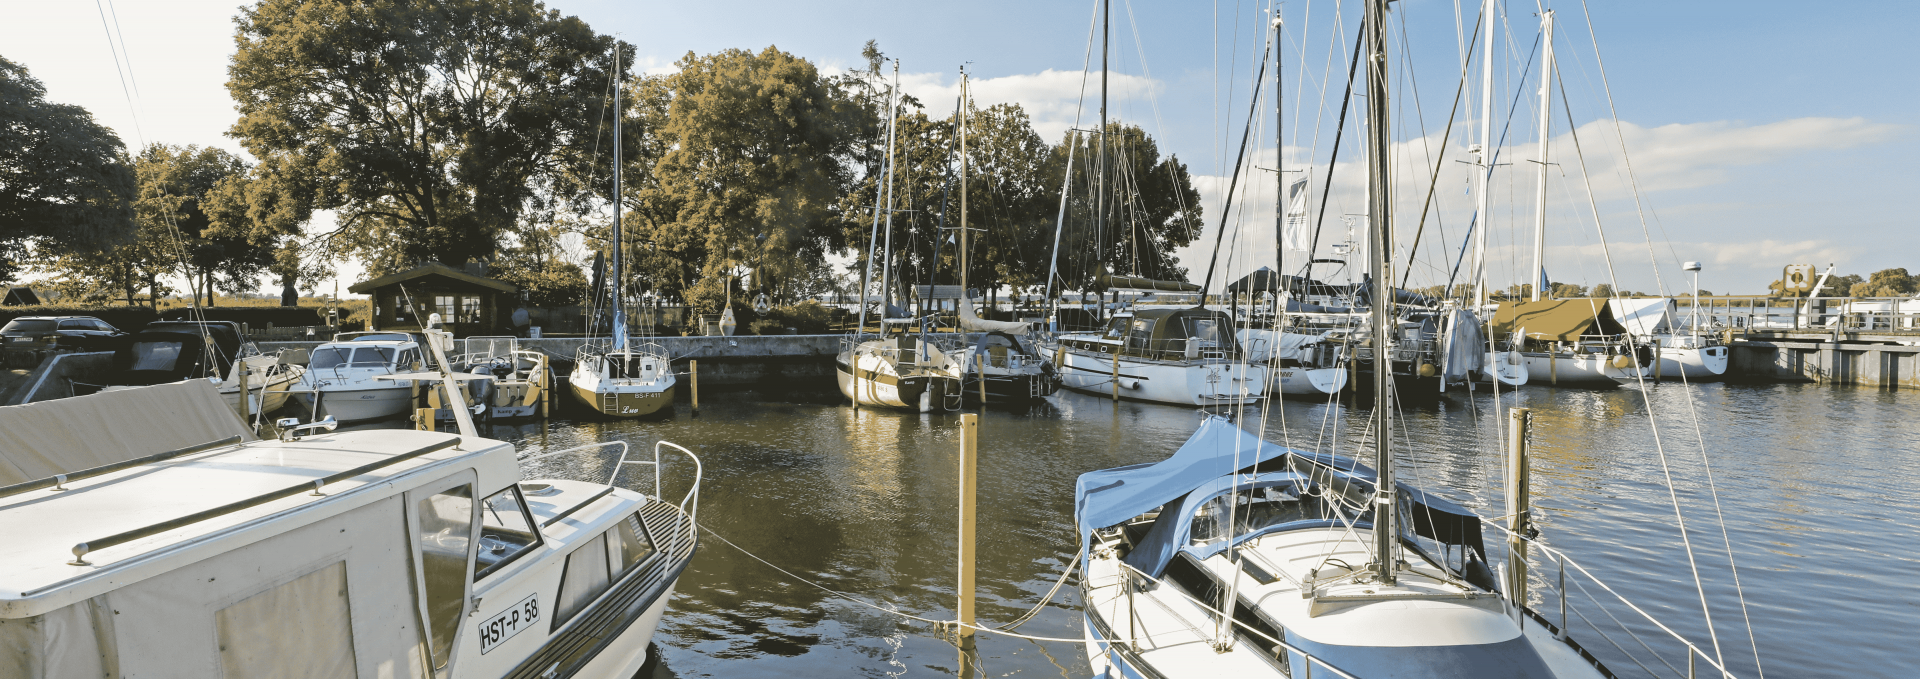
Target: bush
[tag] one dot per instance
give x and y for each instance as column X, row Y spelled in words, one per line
column 127, row 318
column 767, row 327
column 807, row 318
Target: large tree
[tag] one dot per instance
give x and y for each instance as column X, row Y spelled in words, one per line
column 1150, row 209
column 753, row 154
column 430, row 126
column 65, row 185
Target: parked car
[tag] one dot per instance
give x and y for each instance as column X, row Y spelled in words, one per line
column 84, row 333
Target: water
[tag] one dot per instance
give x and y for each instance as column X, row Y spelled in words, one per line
column 864, row 503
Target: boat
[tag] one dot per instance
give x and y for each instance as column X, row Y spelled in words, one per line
column 1571, row 342
column 902, row 371
column 1297, row 360
column 1176, row 355
column 1239, row 557
column 168, row 351
column 508, row 382
column 327, row 553
column 617, row 379
column 342, row 379
column 1679, row 352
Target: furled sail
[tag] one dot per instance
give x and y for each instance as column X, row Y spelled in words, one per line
column 972, row 323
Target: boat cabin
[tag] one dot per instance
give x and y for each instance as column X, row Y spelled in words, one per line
column 468, row 302
column 1167, row 334
column 170, row 351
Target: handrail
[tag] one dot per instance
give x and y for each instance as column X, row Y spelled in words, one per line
column 1311, row 659
column 1562, row 557
column 80, row 550
column 58, row 480
column 693, row 493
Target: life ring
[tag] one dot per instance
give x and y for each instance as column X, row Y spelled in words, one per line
column 761, row 304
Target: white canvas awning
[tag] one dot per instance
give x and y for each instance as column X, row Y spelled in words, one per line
column 1644, row 315
column 38, row 440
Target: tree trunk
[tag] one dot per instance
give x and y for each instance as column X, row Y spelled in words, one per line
column 289, row 296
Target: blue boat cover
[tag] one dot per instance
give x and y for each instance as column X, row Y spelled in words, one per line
column 1170, row 532
column 1111, row 496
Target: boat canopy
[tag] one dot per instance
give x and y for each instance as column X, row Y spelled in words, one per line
column 1110, row 496
column 1562, row 320
column 973, row 323
column 1205, row 467
column 1643, row 316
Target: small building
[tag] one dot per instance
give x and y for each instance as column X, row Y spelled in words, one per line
column 20, row 296
column 468, row 302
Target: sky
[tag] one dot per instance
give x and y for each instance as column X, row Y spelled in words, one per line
column 1757, row 134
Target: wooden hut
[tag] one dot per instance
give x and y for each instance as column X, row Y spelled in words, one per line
column 468, row 302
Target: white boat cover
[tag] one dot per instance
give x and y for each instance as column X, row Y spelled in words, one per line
column 1644, row 316
column 1466, row 348
column 1288, row 347
column 38, row 440
column 971, row 323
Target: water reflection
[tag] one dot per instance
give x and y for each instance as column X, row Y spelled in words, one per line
column 1811, row 480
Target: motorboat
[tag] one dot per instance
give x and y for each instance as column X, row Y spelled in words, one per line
column 338, row 554
column 902, row 371
column 1297, row 363
column 1176, row 355
column 343, row 377
column 519, row 381
column 170, row 351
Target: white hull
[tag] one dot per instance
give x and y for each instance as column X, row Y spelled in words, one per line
column 1195, row 383
column 1506, row 367
column 868, row 379
column 1309, row 381
column 1705, row 363
column 1559, row 370
column 628, row 652
column 359, row 405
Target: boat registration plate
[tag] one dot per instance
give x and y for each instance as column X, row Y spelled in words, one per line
column 502, row 626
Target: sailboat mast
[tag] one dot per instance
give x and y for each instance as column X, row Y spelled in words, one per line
column 1546, row 122
column 1379, row 227
column 963, row 188
column 1479, row 272
column 1279, row 158
column 1100, row 164
column 886, row 266
column 615, row 282
column 873, row 237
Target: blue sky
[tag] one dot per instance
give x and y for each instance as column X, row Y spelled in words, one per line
column 1761, row 133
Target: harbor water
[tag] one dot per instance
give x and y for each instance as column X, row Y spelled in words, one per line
column 1815, row 496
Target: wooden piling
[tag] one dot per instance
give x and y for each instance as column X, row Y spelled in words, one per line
column 693, row 375
column 423, row 419
column 246, row 409
column 980, row 369
column 1116, row 374
column 969, row 462
column 1518, row 479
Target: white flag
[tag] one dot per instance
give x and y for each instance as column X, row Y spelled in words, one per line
column 1297, row 236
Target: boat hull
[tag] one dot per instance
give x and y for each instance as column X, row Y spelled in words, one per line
column 1295, row 381
column 358, row 405
column 918, row 393
column 1197, row 383
column 623, row 404
column 1692, row 364
column 1505, row 367
column 1572, row 370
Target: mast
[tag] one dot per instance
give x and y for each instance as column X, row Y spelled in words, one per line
column 1379, row 230
column 964, row 299
column 1546, row 121
column 886, row 265
column 873, row 237
column 619, row 310
column 1059, row 224
column 1479, row 272
column 1279, row 162
column 1100, row 165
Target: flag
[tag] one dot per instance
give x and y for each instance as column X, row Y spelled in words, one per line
column 1298, row 235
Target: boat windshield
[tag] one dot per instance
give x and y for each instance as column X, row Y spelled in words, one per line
column 1257, row 509
column 1207, row 330
column 329, row 357
column 155, row 356
column 373, row 357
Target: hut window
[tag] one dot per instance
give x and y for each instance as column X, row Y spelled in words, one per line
column 302, row 628
column 444, row 305
column 469, row 309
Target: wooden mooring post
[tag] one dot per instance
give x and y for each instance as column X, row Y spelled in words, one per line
column 693, row 375
column 969, row 465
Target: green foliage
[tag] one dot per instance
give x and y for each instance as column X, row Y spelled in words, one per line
column 65, row 185
column 1886, row 283
column 1566, row 290
column 1156, row 209
column 1603, row 290
column 548, row 284
column 807, row 318
column 128, row 318
column 430, row 127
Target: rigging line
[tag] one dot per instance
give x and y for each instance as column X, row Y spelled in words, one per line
column 1233, row 181
column 1159, row 127
column 1434, row 182
column 1672, row 494
column 1633, row 179
column 1493, row 160
column 1339, row 130
column 122, row 73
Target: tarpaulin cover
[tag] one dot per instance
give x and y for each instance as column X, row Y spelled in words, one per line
column 1286, row 348
column 1643, row 316
column 973, row 323
column 1111, row 496
column 1556, row 320
column 1171, row 531
column 1466, row 348
column 1138, row 283
column 39, row 440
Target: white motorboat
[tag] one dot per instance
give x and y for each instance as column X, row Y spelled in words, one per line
column 338, row 554
column 898, row 372
column 267, row 379
column 342, row 377
column 1177, row 355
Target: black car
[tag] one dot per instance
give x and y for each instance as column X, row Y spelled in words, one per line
column 84, row 333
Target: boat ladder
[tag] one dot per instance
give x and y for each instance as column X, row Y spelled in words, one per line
column 609, row 402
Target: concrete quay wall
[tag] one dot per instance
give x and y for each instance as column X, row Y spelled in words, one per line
column 1889, row 366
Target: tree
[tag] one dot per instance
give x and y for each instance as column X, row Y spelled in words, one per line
column 1151, row 209
column 755, row 154
column 1566, row 290
column 266, row 208
column 430, row 127
column 65, row 186
column 1886, row 283
column 1604, row 290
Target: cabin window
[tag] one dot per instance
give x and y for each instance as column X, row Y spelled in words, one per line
column 585, row 578
column 373, row 357
column 1251, row 511
column 506, row 532
column 300, row 629
column 155, row 355
column 1141, row 338
column 409, row 358
column 1206, row 330
column 627, row 546
column 446, row 529
column 328, row 357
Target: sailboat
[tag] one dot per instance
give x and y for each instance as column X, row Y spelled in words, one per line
column 1680, row 352
column 903, row 370
column 1001, row 366
column 619, row 379
column 1238, row 557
